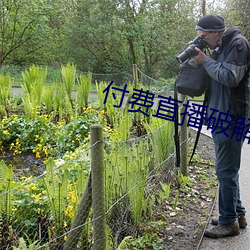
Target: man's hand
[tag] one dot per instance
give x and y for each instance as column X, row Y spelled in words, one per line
column 200, row 58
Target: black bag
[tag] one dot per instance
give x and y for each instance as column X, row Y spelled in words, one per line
column 192, row 80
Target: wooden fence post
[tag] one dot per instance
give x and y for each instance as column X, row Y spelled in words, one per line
column 98, row 195
column 135, row 75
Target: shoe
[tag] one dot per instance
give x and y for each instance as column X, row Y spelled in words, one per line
column 221, row 231
column 241, row 219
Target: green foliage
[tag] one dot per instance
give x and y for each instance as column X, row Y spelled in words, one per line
column 5, row 90
column 126, row 172
column 30, row 206
column 68, row 74
column 23, row 25
column 48, row 98
column 103, row 36
column 6, row 184
column 184, row 181
column 161, row 136
column 147, row 241
column 57, row 188
column 164, row 192
column 99, row 89
column 29, row 245
column 83, row 90
column 43, row 137
column 128, row 161
column 34, row 81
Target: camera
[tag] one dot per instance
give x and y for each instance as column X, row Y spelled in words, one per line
column 190, row 51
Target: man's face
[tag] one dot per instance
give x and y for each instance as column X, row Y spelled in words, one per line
column 211, row 38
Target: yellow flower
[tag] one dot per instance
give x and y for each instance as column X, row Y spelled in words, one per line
column 37, row 196
column 69, row 211
column 31, row 187
column 45, row 151
column 14, row 209
column 17, row 152
column 73, row 199
column 38, row 156
column 6, row 132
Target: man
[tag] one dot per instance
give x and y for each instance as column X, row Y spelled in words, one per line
column 228, row 106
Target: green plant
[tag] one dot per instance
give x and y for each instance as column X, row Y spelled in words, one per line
column 161, row 134
column 28, row 244
column 34, row 81
column 48, row 98
column 83, row 90
column 68, row 74
column 6, row 184
column 135, row 105
column 43, row 137
column 126, row 173
column 5, row 90
column 56, row 187
column 30, row 207
column 147, row 241
column 100, row 87
column 176, row 199
column 184, row 181
column 164, row 191
column 64, row 184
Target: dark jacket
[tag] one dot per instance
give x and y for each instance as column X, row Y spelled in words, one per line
column 229, row 89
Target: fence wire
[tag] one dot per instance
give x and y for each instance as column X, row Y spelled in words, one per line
column 43, row 211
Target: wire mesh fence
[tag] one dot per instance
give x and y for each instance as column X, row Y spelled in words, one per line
column 56, row 209
column 46, row 210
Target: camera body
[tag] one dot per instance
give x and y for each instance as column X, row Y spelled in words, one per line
column 190, row 51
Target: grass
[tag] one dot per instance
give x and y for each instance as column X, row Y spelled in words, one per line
column 197, row 98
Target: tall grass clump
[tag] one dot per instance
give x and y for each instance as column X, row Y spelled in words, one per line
column 161, row 134
column 68, row 74
column 34, row 80
column 127, row 167
column 83, row 90
column 48, row 98
column 6, row 184
column 5, row 90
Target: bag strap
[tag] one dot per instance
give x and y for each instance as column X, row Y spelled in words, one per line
column 176, row 134
column 198, row 132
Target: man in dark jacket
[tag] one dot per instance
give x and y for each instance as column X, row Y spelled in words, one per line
column 228, row 111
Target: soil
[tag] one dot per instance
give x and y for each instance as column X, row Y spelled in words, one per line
column 25, row 164
column 186, row 223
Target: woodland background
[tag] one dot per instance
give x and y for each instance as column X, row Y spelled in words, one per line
column 107, row 36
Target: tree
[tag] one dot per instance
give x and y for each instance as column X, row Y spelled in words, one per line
column 237, row 12
column 21, row 21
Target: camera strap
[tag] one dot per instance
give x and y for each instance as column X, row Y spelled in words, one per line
column 198, row 131
column 176, row 134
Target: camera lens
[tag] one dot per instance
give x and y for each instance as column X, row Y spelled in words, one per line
column 187, row 53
